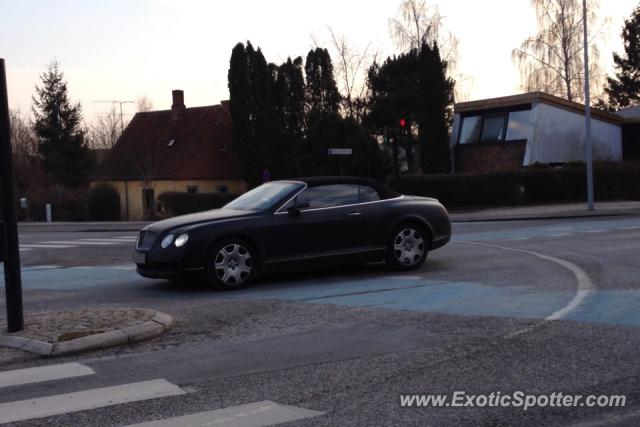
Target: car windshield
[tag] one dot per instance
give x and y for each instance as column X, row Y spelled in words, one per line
column 263, row 197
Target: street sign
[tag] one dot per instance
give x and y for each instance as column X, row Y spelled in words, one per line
column 340, row 151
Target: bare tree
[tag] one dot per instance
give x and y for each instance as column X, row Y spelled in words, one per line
column 144, row 104
column 552, row 60
column 105, row 130
column 24, row 143
column 417, row 23
column 351, row 68
column 147, row 166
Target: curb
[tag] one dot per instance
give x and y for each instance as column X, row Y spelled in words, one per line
column 159, row 324
column 541, row 217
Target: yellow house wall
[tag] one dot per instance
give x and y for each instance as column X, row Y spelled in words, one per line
column 131, row 205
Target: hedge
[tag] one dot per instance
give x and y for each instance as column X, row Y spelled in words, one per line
column 175, row 203
column 533, row 186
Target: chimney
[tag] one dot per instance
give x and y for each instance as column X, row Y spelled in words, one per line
column 177, row 108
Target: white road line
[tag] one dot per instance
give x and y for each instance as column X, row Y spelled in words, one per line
column 559, row 235
column 25, row 249
column 595, row 231
column 84, row 400
column 584, row 289
column 518, row 238
column 46, row 246
column 257, row 414
column 120, row 241
column 41, row 267
column 43, row 373
column 78, row 242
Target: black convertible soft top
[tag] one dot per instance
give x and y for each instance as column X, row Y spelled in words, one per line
column 314, row 181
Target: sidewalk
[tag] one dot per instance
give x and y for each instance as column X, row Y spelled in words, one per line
column 573, row 210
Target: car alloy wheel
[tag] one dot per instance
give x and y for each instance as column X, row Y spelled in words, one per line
column 233, row 264
column 409, row 247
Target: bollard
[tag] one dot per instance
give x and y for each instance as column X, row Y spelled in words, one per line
column 48, row 212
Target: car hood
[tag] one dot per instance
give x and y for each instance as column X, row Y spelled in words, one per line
column 196, row 218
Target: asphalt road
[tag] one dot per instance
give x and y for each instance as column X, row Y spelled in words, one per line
column 532, row 306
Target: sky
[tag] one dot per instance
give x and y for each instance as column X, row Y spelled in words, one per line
column 125, row 49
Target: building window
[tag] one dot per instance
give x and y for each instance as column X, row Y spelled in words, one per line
column 519, row 123
column 222, row 146
column 495, row 126
column 222, row 188
column 192, row 188
column 470, row 130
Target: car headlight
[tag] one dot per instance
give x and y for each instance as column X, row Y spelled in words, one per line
column 181, row 240
column 166, row 241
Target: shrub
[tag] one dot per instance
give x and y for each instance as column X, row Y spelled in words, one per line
column 176, row 203
column 68, row 204
column 104, row 204
column 537, row 186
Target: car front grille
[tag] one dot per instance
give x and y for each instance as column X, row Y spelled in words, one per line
column 146, row 239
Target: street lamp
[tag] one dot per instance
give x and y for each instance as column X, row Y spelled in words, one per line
column 587, row 111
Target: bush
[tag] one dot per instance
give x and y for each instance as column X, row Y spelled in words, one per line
column 68, row 204
column 175, row 203
column 104, row 204
column 532, row 186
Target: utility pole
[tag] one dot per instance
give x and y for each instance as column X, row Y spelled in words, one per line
column 9, row 252
column 119, row 102
column 587, row 111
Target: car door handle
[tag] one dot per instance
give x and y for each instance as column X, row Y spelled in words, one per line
column 355, row 214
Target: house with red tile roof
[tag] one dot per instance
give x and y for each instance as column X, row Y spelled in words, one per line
column 182, row 149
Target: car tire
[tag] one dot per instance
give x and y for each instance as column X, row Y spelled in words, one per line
column 407, row 247
column 231, row 264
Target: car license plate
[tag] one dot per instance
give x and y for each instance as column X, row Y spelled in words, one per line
column 139, row 258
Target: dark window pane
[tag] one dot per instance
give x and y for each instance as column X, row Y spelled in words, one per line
column 493, row 129
column 367, row 194
column 470, row 129
column 329, row 195
column 518, row 127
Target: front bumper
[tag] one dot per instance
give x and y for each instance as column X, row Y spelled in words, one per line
column 159, row 270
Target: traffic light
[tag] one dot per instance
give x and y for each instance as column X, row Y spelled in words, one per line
column 403, row 122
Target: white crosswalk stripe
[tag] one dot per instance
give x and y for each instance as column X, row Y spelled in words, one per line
column 256, row 414
column 79, row 242
column 44, row 246
column 65, row 244
column 59, row 404
column 43, row 373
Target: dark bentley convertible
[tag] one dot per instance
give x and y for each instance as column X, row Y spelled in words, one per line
column 326, row 220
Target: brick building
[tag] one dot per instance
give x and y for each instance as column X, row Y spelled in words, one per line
column 182, row 149
column 509, row 133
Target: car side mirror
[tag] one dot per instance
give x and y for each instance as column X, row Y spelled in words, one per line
column 295, row 209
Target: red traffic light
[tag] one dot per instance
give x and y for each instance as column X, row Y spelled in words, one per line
column 403, row 122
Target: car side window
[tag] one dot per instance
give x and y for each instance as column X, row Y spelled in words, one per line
column 326, row 196
column 367, row 193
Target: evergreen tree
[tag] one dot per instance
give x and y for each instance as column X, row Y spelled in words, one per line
column 434, row 115
column 253, row 112
column 624, row 90
column 413, row 86
column 240, row 106
column 322, row 91
column 61, row 140
column 284, row 124
column 289, row 102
